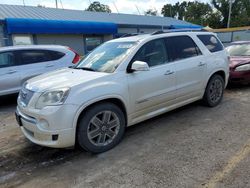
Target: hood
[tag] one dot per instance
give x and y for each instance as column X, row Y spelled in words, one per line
column 238, row 60
column 66, row 77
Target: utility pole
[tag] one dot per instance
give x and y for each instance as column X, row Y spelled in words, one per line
column 56, row 4
column 23, row 2
column 229, row 13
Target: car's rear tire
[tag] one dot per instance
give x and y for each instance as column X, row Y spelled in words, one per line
column 214, row 91
column 101, row 128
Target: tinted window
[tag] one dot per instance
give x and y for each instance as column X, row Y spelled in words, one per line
column 7, row 59
column 92, row 43
column 33, row 56
column 211, row 42
column 181, row 47
column 153, row 53
column 55, row 55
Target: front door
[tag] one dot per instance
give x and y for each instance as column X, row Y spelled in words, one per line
column 151, row 91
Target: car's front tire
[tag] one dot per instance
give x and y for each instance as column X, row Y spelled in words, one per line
column 101, row 127
column 214, row 91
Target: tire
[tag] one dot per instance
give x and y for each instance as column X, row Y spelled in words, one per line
column 214, row 91
column 101, row 128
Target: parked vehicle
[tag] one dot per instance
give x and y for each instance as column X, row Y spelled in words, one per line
column 121, row 83
column 239, row 62
column 19, row 63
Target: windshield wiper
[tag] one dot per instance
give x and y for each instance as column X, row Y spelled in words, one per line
column 85, row 68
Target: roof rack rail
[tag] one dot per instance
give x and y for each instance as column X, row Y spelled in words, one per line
column 176, row 30
column 130, row 35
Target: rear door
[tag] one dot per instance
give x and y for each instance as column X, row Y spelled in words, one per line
column 9, row 73
column 35, row 62
column 190, row 66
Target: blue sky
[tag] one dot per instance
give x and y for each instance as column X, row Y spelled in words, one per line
column 123, row 6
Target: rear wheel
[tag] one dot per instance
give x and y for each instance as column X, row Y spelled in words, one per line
column 214, row 91
column 101, row 128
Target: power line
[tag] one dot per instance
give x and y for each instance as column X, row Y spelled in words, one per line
column 137, row 9
column 61, row 4
column 115, row 7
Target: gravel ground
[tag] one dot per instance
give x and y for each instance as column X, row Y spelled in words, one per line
column 193, row 146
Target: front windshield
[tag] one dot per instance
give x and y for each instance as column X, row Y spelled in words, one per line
column 107, row 57
column 239, row 50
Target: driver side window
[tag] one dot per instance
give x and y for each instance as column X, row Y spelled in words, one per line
column 153, row 53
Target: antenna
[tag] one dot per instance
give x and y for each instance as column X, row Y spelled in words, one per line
column 115, row 7
column 137, row 9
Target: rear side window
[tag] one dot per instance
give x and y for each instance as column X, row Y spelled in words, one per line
column 153, row 53
column 54, row 55
column 38, row 56
column 7, row 59
column 181, row 47
column 211, row 42
column 33, row 56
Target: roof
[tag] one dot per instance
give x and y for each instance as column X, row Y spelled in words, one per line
column 20, row 47
column 142, row 37
column 18, row 11
column 241, row 42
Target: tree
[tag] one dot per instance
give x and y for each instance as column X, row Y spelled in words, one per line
column 96, row 6
column 150, row 12
column 197, row 12
column 168, row 10
column 213, row 20
column 240, row 12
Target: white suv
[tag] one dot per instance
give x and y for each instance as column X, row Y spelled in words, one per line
column 121, row 83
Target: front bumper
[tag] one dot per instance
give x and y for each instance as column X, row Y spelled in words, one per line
column 53, row 128
column 239, row 77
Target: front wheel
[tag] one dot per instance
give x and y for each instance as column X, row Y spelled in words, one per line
column 101, row 128
column 214, row 91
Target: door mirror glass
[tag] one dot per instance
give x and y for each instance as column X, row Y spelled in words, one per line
column 139, row 66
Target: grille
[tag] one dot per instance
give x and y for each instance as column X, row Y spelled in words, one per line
column 25, row 95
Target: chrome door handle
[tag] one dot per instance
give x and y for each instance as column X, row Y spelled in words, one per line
column 49, row 66
column 201, row 64
column 169, row 72
column 11, row 71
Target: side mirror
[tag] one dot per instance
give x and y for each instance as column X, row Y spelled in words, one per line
column 139, row 66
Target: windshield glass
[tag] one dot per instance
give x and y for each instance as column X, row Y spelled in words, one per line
column 107, row 57
column 239, row 50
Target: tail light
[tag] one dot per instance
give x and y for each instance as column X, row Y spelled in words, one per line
column 77, row 56
column 76, row 59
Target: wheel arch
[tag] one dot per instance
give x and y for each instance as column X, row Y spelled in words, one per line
column 114, row 100
column 222, row 73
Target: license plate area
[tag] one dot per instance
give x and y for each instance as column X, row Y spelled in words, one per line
column 18, row 119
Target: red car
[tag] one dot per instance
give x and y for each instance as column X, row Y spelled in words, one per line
column 239, row 62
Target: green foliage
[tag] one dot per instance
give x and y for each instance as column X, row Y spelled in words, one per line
column 150, row 12
column 96, row 6
column 214, row 15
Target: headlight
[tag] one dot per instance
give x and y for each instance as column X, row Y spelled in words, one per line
column 243, row 67
column 52, row 98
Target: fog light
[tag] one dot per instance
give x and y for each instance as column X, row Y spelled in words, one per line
column 55, row 137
